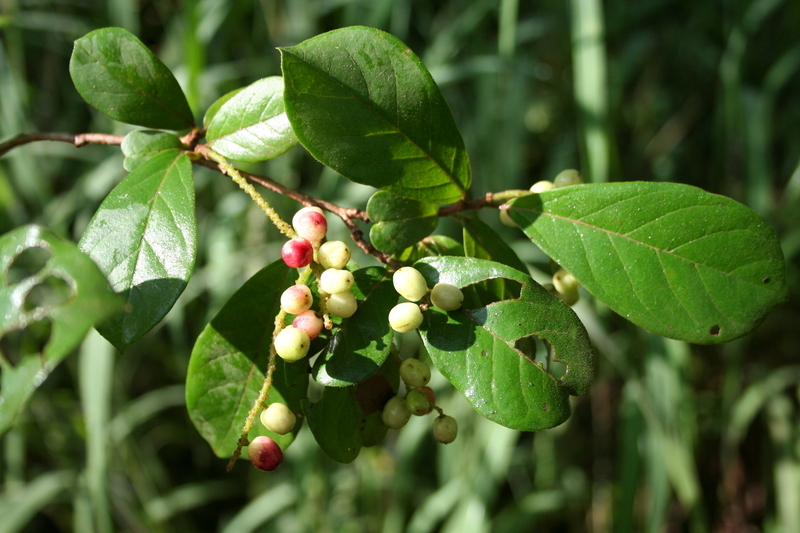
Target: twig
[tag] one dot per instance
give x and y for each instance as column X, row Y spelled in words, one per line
column 81, row 139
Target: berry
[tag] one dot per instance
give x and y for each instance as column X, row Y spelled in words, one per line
column 410, row 284
column 415, row 372
column 292, row 344
column 566, row 178
column 264, row 453
column 445, row 429
column 542, row 186
column 417, row 402
column 570, row 298
column 310, row 322
column 430, row 395
column 310, row 224
column 395, row 413
column 564, row 282
column 297, row 253
column 296, row 299
column 334, row 281
column 405, row 317
column 505, row 219
column 446, row 297
column 333, row 254
column 342, row 304
column 278, row 418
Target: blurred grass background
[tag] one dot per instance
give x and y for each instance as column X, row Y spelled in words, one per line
column 671, row 437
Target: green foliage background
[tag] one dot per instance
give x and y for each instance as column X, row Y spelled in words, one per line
column 669, row 437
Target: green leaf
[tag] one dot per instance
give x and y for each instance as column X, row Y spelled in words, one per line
column 117, row 74
column 64, row 290
column 482, row 242
column 229, row 362
column 363, row 103
column 399, row 222
column 483, row 350
column 252, row 124
column 672, row 258
column 432, row 246
column 336, row 421
column 144, row 239
column 214, row 108
column 140, row 145
column 364, row 340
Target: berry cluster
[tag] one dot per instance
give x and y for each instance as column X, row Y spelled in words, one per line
column 311, row 226
column 410, row 284
column 565, row 178
column 418, row 401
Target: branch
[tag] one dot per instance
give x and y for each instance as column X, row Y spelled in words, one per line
column 82, row 139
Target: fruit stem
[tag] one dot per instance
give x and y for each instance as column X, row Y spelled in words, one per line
column 243, row 184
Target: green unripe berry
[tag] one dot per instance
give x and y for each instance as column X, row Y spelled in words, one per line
column 446, row 297
column 342, row 304
column 405, row 317
column 296, row 299
column 505, row 219
column 333, row 254
column 566, row 178
column 564, row 282
column 334, row 281
column 410, row 284
column 395, row 413
column 542, row 186
column 445, row 429
column 278, row 418
column 415, row 372
column 292, row 344
column 417, row 402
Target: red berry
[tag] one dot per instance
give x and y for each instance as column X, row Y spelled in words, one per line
column 265, row 454
column 310, row 322
column 297, row 253
column 430, row 395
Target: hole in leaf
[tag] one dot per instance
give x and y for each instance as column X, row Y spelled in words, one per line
column 51, row 291
column 715, row 330
column 539, row 351
column 28, row 263
column 30, row 340
column 766, row 280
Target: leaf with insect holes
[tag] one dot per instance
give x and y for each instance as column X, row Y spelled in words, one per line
column 671, row 258
column 252, row 124
column 229, row 362
column 65, row 294
column 364, row 340
column 144, row 238
column 482, row 349
column 363, row 103
column 117, row 74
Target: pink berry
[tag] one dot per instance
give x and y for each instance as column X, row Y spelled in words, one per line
column 296, row 299
column 265, row 454
column 310, row 223
column 309, row 322
column 297, row 253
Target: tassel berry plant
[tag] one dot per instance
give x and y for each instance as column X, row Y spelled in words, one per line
column 673, row 259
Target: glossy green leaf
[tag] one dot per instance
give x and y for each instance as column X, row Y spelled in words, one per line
column 117, row 74
column 363, row 341
column 229, row 362
column 336, row 421
column 252, row 125
column 144, row 239
column 672, row 258
column 34, row 299
column 432, row 246
column 482, row 242
column 481, row 349
column 214, row 108
column 399, row 222
column 140, row 145
column 364, row 104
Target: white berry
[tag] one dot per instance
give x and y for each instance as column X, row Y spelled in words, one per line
column 410, row 284
column 334, row 281
column 292, row 344
column 405, row 317
column 446, row 297
column 278, row 418
column 333, row 254
column 342, row 304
